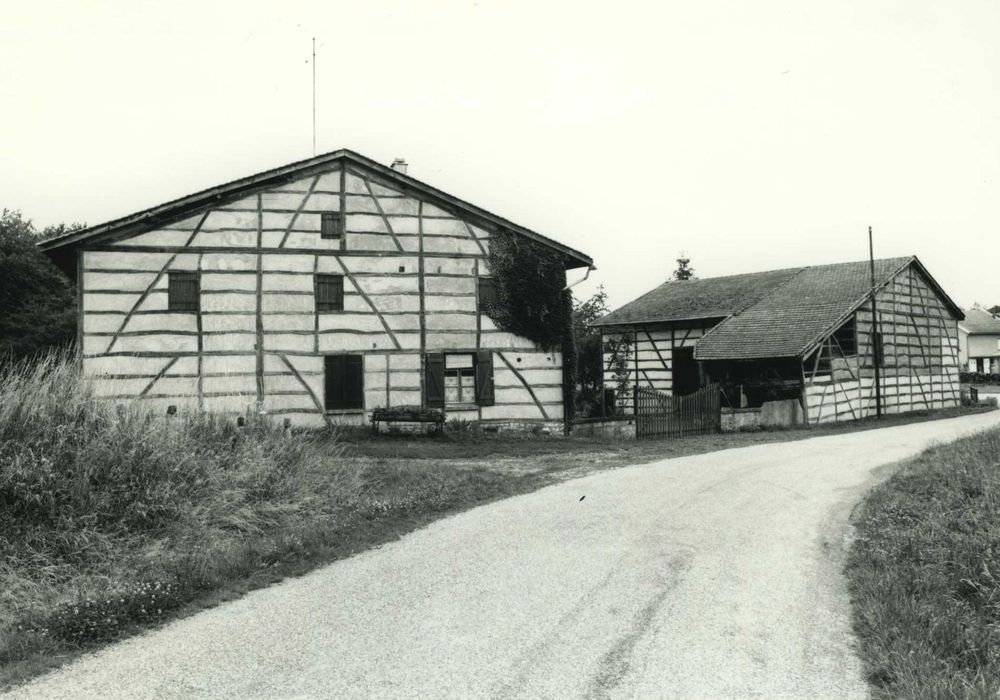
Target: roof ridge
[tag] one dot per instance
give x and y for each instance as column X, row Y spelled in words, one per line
column 198, row 200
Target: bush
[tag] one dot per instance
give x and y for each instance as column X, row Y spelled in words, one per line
column 978, row 378
column 37, row 302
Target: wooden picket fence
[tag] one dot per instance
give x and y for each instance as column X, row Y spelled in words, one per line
column 660, row 415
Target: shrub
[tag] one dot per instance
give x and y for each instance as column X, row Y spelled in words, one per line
column 461, row 426
column 37, row 302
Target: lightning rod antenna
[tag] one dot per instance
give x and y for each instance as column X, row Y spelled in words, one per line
column 314, row 95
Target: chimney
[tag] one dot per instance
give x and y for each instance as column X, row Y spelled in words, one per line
column 399, row 165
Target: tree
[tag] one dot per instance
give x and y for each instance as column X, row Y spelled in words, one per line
column 684, row 270
column 37, row 302
column 590, row 353
column 994, row 310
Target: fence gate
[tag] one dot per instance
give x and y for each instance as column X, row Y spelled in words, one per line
column 659, row 415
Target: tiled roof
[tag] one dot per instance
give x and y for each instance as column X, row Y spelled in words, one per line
column 794, row 315
column 214, row 196
column 979, row 322
column 715, row 297
column 781, row 313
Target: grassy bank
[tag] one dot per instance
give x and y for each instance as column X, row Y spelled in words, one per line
column 113, row 519
column 924, row 575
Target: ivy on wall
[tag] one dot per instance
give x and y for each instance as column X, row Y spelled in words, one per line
column 531, row 301
column 529, row 280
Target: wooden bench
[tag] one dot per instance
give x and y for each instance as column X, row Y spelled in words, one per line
column 408, row 414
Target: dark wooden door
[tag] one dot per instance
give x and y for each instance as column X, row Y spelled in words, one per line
column 685, row 372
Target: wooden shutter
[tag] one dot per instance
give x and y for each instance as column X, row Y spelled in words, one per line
column 330, row 224
column 487, row 294
column 338, row 291
column 484, row 378
column 434, row 380
column 334, row 381
column 329, row 291
column 345, row 382
column 182, row 291
column 354, row 381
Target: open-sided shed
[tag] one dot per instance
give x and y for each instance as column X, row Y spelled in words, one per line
column 800, row 333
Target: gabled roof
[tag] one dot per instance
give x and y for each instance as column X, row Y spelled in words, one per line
column 782, row 313
column 214, row 196
column 711, row 298
column 795, row 315
column 979, row 322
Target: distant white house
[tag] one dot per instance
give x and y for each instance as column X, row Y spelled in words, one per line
column 979, row 342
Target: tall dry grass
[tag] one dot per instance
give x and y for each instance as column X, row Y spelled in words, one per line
column 112, row 517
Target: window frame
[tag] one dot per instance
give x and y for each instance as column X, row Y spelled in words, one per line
column 466, row 381
column 175, row 302
column 328, row 306
column 483, row 385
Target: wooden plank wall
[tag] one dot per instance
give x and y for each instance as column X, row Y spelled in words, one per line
column 920, row 346
column 410, row 287
column 652, row 355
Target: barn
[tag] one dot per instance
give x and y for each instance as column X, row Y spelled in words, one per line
column 316, row 291
column 800, row 334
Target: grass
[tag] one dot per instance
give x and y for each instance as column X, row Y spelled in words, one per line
column 924, row 575
column 113, row 520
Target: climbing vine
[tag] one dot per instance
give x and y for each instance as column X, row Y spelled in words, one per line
column 529, row 279
column 620, row 349
column 531, row 300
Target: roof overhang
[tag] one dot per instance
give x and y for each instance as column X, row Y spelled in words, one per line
column 185, row 206
column 670, row 322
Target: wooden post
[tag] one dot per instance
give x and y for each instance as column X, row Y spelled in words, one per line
column 876, row 350
column 635, row 365
column 803, row 397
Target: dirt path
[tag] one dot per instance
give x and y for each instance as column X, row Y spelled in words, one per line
column 714, row 575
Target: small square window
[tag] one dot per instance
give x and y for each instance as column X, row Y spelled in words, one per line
column 183, row 291
column 329, row 293
column 331, row 224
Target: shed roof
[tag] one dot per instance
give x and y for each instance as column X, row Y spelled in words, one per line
column 213, row 196
column 782, row 313
column 979, row 322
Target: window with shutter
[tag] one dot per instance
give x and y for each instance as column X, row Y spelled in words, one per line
column 329, row 293
column 344, row 382
column 434, row 380
column 487, row 294
column 331, row 224
column 183, row 291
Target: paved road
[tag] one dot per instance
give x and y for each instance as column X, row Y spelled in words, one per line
column 708, row 576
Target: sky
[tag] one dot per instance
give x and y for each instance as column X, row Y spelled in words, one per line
column 749, row 135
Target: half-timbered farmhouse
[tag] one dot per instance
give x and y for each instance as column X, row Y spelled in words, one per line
column 316, row 291
column 801, row 333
